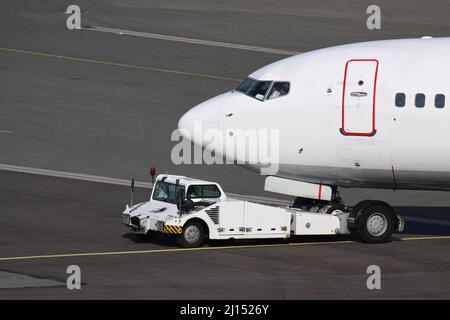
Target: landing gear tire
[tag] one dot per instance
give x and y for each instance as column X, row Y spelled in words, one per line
column 192, row 236
column 376, row 223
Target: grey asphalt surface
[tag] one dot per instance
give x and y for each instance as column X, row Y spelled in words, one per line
column 47, row 216
column 97, row 118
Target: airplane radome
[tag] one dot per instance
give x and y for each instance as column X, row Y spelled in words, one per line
column 370, row 114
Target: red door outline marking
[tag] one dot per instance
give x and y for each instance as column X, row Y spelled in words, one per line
column 342, row 129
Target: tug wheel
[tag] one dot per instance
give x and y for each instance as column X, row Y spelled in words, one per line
column 192, row 235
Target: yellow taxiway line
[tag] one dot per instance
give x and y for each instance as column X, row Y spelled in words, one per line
column 424, row 238
column 116, row 64
column 115, row 253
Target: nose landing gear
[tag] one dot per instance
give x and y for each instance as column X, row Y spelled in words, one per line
column 372, row 221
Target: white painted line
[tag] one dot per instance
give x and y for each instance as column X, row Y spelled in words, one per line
column 72, row 175
column 435, row 222
column 190, row 40
column 7, row 132
column 122, row 182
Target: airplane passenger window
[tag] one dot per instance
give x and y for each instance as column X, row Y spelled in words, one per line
column 439, row 101
column 279, row 89
column 246, row 85
column 259, row 90
column 420, row 100
column 400, row 99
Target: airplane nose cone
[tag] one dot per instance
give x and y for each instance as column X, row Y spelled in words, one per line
column 193, row 123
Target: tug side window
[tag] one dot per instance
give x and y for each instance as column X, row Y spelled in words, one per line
column 211, row 191
column 194, row 191
column 203, row 191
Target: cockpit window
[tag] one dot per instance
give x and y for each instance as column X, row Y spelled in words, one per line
column 246, row 85
column 259, row 90
column 263, row 90
column 279, row 89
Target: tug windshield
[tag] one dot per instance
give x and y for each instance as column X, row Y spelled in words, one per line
column 167, row 192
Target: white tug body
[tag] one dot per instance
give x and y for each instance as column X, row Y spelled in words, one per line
column 194, row 210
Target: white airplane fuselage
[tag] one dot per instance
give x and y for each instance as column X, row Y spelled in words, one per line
column 339, row 124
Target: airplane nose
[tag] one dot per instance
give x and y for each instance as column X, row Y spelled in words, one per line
column 200, row 118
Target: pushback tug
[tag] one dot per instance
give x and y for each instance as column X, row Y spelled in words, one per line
column 194, row 210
